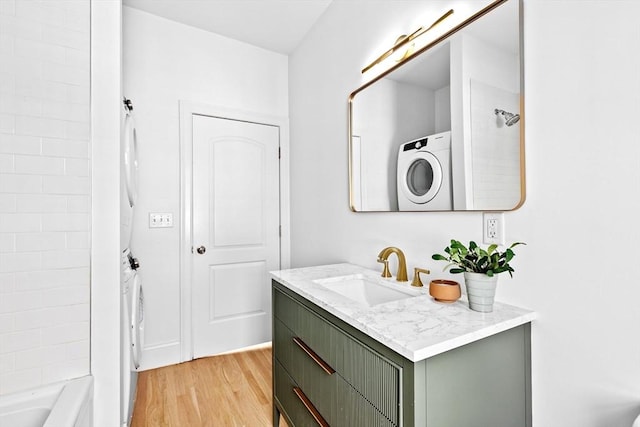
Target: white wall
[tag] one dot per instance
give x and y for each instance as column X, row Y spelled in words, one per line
column 580, row 218
column 165, row 62
column 106, row 106
column 44, row 192
column 443, row 109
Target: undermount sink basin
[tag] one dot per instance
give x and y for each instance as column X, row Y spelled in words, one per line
column 364, row 290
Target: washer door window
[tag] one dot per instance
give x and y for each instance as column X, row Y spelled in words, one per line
column 423, row 179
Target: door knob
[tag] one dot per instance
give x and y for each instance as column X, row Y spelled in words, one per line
column 201, row 250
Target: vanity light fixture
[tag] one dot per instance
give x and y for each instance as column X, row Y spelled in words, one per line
column 404, row 40
column 510, row 119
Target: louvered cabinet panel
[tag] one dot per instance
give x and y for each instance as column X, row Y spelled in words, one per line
column 370, row 374
column 354, row 410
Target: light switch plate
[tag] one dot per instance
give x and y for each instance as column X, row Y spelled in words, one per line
column 160, row 220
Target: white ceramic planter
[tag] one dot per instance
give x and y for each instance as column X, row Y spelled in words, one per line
column 481, row 291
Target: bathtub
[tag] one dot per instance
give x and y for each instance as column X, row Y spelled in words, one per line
column 66, row 404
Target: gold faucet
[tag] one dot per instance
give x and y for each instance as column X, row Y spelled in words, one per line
column 416, row 276
column 383, row 256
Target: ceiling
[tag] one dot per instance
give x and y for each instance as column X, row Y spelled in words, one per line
column 276, row 25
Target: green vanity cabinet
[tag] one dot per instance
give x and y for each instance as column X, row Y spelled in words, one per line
column 326, row 372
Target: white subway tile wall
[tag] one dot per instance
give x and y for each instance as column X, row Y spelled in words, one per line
column 44, row 192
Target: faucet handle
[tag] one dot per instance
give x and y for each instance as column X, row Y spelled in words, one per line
column 416, row 276
column 385, row 270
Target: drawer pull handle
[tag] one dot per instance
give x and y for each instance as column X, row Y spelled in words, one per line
column 312, row 409
column 312, row 354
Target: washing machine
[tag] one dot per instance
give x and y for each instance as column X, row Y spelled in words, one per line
column 128, row 175
column 424, row 174
column 132, row 333
column 131, row 306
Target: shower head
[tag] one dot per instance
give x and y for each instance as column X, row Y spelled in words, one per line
column 510, row 119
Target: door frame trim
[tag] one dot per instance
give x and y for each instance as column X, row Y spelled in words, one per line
column 187, row 110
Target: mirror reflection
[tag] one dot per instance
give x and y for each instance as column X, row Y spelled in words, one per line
column 443, row 131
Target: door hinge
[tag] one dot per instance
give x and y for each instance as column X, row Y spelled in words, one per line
column 279, row 153
column 280, row 230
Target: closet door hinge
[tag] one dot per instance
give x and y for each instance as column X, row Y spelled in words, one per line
column 280, row 230
column 279, row 153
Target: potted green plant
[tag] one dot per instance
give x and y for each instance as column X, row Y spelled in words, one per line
column 480, row 267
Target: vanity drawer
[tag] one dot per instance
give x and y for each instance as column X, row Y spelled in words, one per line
column 290, row 403
column 305, row 324
column 374, row 379
column 318, row 384
column 329, row 402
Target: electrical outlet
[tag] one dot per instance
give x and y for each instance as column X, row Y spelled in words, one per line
column 160, row 220
column 493, row 228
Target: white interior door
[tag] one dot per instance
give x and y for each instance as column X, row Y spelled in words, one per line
column 236, row 220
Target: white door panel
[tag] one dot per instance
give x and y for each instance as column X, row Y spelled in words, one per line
column 238, row 188
column 223, row 301
column 236, row 219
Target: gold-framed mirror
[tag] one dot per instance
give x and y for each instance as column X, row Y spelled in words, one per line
column 444, row 129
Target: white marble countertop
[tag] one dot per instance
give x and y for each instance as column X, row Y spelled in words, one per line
column 417, row 327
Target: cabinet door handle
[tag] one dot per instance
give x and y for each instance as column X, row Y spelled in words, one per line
column 312, row 354
column 312, row 409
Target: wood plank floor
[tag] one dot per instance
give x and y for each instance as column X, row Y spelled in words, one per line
column 228, row 390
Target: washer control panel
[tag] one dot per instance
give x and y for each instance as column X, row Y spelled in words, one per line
column 415, row 144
